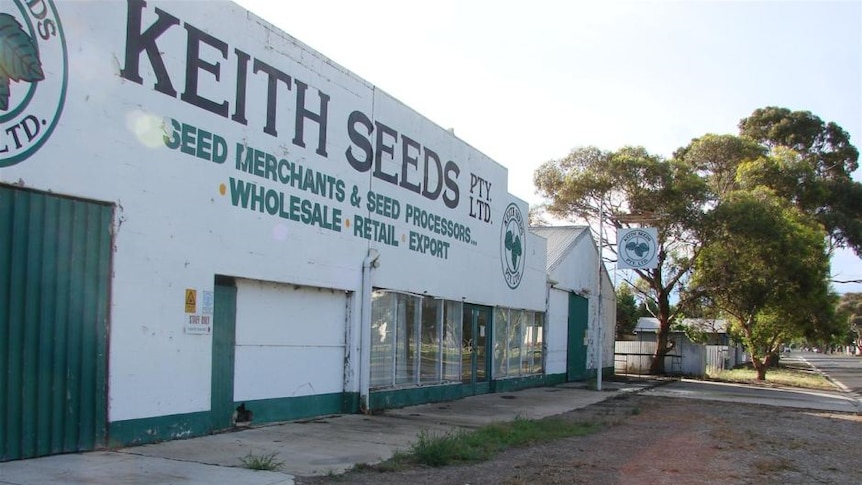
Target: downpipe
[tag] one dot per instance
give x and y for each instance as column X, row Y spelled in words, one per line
column 371, row 261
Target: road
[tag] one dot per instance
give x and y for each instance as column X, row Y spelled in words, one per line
column 846, row 371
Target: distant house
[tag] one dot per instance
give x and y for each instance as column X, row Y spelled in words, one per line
column 713, row 329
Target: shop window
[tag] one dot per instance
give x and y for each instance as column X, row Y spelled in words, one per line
column 430, row 349
column 414, row 340
column 452, row 318
column 518, row 345
column 501, row 350
column 406, row 328
column 383, row 311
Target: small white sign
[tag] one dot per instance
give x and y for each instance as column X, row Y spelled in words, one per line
column 637, row 248
column 208, row 302
column 198, row 324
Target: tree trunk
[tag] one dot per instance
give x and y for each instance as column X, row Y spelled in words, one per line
column 663, row 345
column 661, row 349
column 759, row 367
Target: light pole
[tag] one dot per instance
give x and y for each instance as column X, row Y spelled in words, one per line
column 599, row 322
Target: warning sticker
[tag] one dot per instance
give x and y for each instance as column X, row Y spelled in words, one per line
column 191, row 300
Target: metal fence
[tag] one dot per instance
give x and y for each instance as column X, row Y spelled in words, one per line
column 687, row 358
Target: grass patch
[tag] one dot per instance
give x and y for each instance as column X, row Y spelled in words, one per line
column 266, row 462
column 463, row 446
column 780, row 376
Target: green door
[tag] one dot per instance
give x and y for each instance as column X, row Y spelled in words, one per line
column 475, row 364
column 55, row 258
column 224, row 344
column 576, row 358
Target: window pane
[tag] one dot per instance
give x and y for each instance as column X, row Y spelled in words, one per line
column 406, row 361
column 452, row 341
column 382, row 328
column 515, row 340
column 527, row 343
column 501, row 326
column 539, row 344
column 429, row 358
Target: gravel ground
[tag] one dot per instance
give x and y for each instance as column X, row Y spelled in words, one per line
column 655, row 441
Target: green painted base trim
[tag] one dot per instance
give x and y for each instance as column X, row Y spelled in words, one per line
column 518, row 383
column 290, row 408
column 399, row 398
column 160, row 428
column 134, row 432
column 555, row 379
column 350, row 403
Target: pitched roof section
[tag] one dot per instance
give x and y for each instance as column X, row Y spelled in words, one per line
column 561, row 240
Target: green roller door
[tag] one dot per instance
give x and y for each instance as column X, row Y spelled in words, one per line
column 54, row 274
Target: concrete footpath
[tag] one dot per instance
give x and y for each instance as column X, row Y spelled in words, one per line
column 320, row 446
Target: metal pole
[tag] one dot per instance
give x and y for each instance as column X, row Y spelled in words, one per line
column 599, row 312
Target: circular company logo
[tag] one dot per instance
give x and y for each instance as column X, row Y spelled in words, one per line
column 33, row 76
column 513, row 242
column 637, row 248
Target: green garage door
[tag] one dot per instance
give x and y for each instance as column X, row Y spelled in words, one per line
column 54, row 274
column 576, row 368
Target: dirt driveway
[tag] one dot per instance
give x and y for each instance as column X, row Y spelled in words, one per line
column 657, row 440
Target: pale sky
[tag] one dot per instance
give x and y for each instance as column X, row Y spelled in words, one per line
column 525, row 82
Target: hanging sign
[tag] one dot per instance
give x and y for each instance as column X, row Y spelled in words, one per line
column 637, row 248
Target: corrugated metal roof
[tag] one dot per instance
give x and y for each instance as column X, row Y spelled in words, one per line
column 561, row 240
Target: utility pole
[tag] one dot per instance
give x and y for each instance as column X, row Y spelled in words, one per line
column 599, row 322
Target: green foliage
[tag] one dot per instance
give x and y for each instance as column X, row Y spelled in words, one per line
column 849, row 312
column 812, row 166
column 441, row 449
column 634, row 188
column 785, row 161
column 764, row 265
column 627, row 311
column 717, row 158
column 266, row 462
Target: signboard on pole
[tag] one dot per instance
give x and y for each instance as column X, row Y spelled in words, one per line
column 637, row 248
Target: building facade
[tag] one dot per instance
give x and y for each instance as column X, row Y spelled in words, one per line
column 198, row 212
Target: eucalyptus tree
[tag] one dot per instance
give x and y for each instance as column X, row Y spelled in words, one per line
column 850, row 311
column 631, row 187
column 811, row 164
column 765, row 267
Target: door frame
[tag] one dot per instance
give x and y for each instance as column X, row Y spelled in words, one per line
column 223, row 354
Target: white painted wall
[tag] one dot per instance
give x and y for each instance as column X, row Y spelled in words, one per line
column 290, row 340
column 179, row 218
column 578, row 273
column 557, row 332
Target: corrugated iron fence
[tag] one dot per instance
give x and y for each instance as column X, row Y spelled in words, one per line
column 688, row 358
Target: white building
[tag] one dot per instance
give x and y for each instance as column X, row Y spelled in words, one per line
column 198, row 212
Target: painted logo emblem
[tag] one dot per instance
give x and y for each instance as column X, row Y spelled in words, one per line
column 637, row 248
column 513, row 240
column 33, row 77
